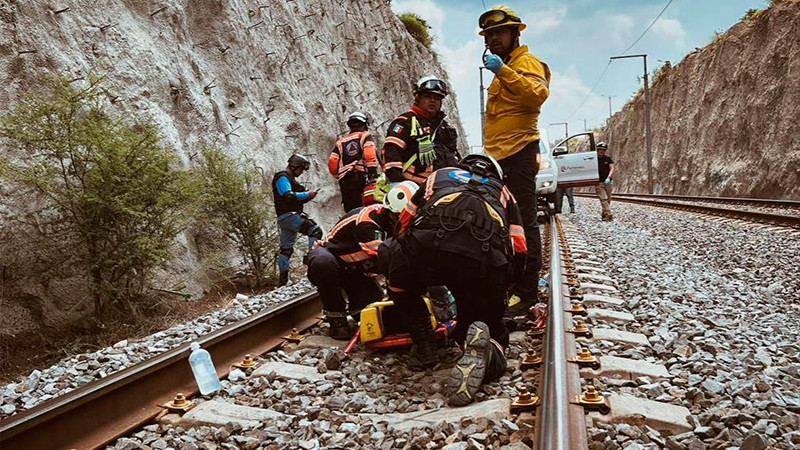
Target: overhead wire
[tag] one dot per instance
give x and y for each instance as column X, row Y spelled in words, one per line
column 605, row 69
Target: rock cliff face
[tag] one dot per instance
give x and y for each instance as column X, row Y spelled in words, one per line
column 724, row 120
column 262, row 78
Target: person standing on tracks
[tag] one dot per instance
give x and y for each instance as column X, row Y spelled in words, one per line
column 421, row 140
column 462, row 230
column 520, row 87
column 289, row 197
column 605, row 167
column 347, row 259
column 354, row 161
column 569, row 193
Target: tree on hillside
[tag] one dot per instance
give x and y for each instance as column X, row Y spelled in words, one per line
column 95, row 194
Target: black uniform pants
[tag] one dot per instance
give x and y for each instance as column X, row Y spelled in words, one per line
column 331, row 276
column 520, row 171
column 352, row 186
column 479, row 291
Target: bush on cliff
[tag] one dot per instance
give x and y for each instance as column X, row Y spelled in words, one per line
column 95, row 194
column 417, row 27
column 233, row 199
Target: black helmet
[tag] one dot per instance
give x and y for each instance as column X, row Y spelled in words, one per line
column 431, row 84
column 356, row 118
column 602, row 146
column 299, row 161
column 483, row 165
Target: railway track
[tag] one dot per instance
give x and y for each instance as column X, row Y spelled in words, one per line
column 100, row 413
column 784, row 213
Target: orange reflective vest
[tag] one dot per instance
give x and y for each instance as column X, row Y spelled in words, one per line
column 354, row 152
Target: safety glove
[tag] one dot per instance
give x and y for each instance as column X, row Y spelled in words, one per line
column 493, row 62
column 607, row 182
column 427, row 151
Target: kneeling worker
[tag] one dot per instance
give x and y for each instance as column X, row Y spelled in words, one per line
column 347, row 258
column 463, row 230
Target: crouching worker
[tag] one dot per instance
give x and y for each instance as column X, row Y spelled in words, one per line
column 347, row 260
column 463, row 230
column 290, row 196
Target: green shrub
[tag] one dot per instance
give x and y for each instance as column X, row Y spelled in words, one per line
column 417, row 27
column 233, row 199
column 99, row 193
column 750, row 14
column 662, row 72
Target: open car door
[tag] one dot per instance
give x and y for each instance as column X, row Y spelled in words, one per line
column 577, row 166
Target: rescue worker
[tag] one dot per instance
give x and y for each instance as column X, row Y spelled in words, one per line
column 354, row 161
column 348, row 259
column 421, row 140
column 520, row 87
column 290, row 196
column 605, row 169
column 463, row 230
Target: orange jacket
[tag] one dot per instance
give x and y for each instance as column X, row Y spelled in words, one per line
column 355, row 151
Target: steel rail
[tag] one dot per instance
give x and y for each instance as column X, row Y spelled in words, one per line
column 730, row 200
column 755, row 216
column 560, row 424
column 97, row 413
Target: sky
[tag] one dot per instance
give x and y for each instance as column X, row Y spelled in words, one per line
column 575, row 38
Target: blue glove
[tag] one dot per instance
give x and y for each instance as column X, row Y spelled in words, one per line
column 493, row 62
column 608, row 181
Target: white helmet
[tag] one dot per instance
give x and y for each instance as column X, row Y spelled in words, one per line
column 357, row 117
column 432, row 84
column 399, row 195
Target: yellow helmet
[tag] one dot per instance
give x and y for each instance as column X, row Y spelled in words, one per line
column 499, row 16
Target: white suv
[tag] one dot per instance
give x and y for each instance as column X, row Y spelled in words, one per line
column 561, row 168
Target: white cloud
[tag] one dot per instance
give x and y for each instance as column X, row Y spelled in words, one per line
column 543, row 22
column 620, row 27
column 461, row 65
column 671, row 29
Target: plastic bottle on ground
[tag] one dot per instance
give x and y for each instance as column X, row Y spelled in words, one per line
column 203, row 369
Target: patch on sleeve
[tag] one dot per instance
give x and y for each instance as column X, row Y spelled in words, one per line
column 397, row 128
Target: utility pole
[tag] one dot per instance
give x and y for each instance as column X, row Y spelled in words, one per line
column 566, row 131
column 584, row 125
column 609, row 107
column 648, row 138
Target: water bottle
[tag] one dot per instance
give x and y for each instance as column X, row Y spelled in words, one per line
column 204, row 372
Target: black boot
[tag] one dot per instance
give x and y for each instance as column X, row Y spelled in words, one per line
column 284, row 279
column 339, row 329
column 423, row 353
column 467, row 375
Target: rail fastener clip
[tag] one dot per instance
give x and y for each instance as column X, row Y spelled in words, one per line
column 247, row 363
column 592, row 400
column 525, row 401
column 530, row 362
column 586, row 359
column 577, row 309
column 294, row 336
column 179, row 404
column 580, row 329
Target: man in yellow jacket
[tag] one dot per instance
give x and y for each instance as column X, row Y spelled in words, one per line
column 520, row 87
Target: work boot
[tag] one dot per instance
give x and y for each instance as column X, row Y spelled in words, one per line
column 423, row 353
column 283, row 279
column 339, row 329
column 467, row 375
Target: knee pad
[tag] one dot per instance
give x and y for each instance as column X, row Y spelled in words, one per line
column 287, row 252
column 310, row 228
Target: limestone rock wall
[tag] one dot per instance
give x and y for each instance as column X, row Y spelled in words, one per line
column 264, row 78
column 724, row 120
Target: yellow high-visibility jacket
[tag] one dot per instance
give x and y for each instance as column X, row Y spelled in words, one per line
column 515, row 100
